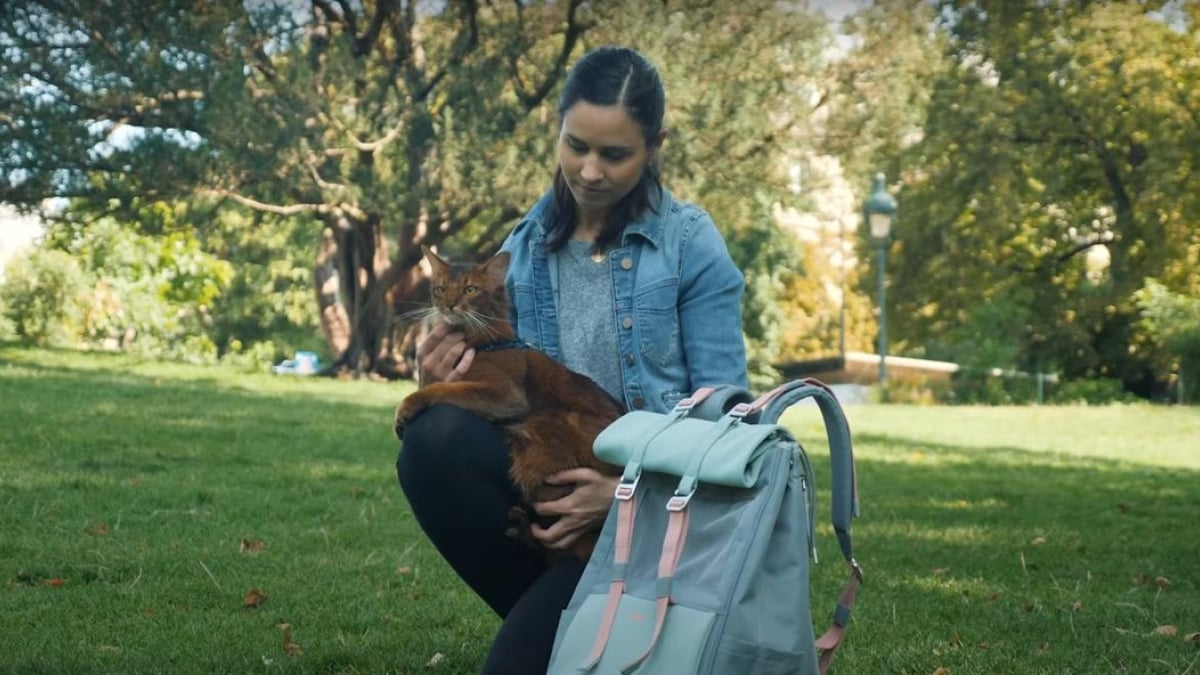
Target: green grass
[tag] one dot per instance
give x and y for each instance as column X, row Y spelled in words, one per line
column 995, row 540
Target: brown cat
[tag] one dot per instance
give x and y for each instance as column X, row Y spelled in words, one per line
column 549, row 414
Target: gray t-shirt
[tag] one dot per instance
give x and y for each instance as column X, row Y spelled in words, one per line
column 587, row 316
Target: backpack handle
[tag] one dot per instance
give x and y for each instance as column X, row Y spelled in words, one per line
column 771, row 405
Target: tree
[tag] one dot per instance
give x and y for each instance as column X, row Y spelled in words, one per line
column 386, row 124
column 1060, row 128
column 377, row 121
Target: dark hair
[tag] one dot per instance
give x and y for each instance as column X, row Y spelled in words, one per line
column 611, row 76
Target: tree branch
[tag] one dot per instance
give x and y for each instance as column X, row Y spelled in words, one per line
column 285, row 210
column 575, row 29
column 466, row 40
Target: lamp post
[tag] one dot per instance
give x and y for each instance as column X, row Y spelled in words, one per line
column 879, row 210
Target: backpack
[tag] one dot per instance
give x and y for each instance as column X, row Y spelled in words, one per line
column 714, row 578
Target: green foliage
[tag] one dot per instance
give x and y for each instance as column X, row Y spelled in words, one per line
column 1049, row 131
column 770, row 258
column 267, row 312
column 1096, row 391
column 149, row 294
column 1174, row 321
column 45, row 296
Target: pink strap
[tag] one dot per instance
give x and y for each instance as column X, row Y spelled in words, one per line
column 832, row 638
column 695, row 399
column 671, row 551
column 622, row 546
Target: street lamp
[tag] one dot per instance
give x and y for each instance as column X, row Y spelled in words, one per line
column 879, row 210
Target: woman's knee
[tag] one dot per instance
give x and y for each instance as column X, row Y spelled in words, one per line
column 443, row 440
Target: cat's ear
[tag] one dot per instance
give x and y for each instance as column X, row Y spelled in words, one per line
column 436, row 264
column 497, row 267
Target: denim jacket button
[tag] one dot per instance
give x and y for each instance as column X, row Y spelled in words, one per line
column 627, row 263
column 629, row 359
column 627, row 322
column 639, row 402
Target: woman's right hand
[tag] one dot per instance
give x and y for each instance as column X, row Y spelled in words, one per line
column 443, row 356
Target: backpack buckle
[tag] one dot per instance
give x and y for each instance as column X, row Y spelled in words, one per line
column 625, row 490
column 684, row 404
column 740, row 410
column 858, row 573
column 679, row 502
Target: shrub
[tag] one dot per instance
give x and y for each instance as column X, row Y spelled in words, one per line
column 1095, row 391
column 45, row 296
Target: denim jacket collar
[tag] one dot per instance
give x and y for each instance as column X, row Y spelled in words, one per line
column 649, row 226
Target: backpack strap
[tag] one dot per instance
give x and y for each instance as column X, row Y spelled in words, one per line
column 769, row 407
column 626, row 507
column 718, row 400
column 677, row 527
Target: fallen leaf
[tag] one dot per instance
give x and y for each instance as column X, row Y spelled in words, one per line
column 98, row 530
column 1169, row 631
column 1045, row 647
column 982, row 646
column 1192, row 638
column 993, row 597
column 290, row 648
column 437, row 658
column 1076, row 606
column 1162, row 582
column 941, row 670
column 253, row 547
column 55, row 582
column 404, row 570
column 254, row 598
column 1038, row 541
column 940, row 571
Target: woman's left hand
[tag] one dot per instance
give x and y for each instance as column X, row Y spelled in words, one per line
column 580, row 511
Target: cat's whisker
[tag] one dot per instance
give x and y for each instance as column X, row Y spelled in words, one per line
column 420, row 313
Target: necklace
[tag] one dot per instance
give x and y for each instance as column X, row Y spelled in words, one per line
column 598, row 257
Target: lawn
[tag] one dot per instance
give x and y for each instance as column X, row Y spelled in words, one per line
column 163, row 518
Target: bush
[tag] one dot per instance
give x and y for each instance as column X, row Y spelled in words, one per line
column 1097, row 391
column 45, row 297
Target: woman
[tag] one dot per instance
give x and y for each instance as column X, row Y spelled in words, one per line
column 618, row 280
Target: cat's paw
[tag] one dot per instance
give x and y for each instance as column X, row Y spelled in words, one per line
column 405, row 412
column 518, row 526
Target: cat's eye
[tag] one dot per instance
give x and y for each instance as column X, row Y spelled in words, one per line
column 470, row 290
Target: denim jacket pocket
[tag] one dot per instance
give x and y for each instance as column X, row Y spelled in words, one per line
column 658, row 321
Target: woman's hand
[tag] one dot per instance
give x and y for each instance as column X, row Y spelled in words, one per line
column 582, row 510
column 443, row 356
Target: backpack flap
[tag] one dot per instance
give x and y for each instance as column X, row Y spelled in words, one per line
column 645, row 441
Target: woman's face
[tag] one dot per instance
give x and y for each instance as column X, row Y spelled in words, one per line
column 602, row 152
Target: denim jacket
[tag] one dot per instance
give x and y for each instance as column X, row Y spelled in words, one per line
column 677, row 301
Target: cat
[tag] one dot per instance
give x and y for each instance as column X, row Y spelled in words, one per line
column 549, row 414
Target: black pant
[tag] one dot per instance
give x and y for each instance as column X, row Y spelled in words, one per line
column 453, row 469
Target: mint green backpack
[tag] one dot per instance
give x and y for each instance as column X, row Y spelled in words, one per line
column 702, row 565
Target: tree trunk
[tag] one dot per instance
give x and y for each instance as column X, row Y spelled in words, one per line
column 367, row 301
column 351, row 270
column 335, row 324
